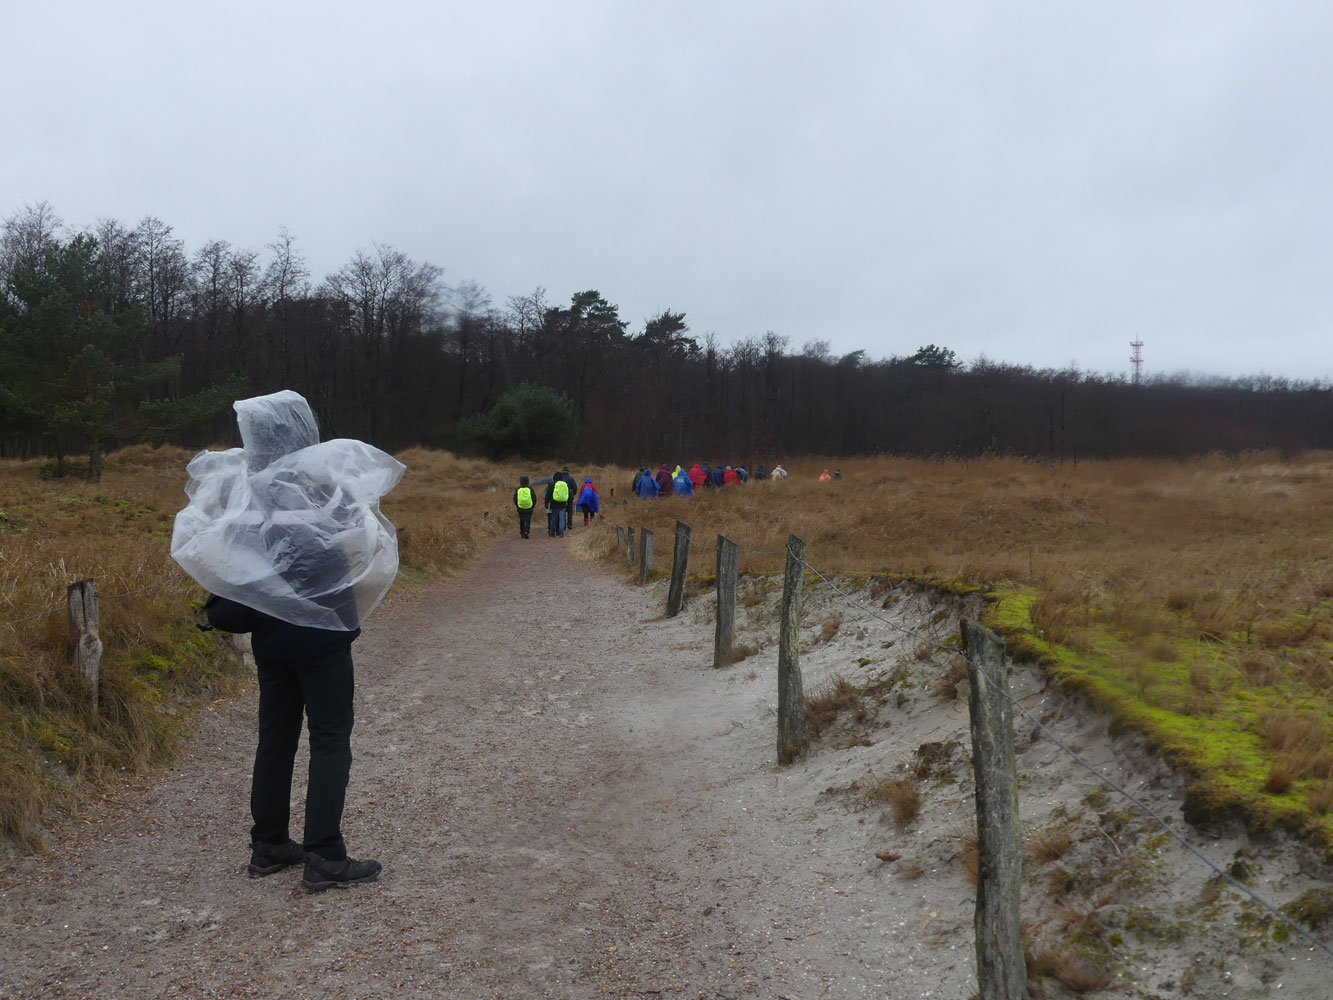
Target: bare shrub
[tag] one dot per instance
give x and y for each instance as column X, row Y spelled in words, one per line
column 1161, row 650
column 1050, row 844
column 739, row 651
column 955, row 673
column 1320, row 797
column 1180, row 599
column 1260, row 669
column 901, row 795
column 1301, row 741
column 1282, row 774
column 822, row 706
column 1201, row 677
column 1060, row 960
column 830, row 626
column 1294, row 732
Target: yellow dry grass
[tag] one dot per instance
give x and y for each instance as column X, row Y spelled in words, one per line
column 1188, row 598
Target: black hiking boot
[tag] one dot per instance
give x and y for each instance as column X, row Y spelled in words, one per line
column 321, row 873
column 266, row 859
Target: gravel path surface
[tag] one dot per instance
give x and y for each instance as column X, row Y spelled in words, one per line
column 528, row 769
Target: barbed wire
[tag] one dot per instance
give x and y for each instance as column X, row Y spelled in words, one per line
column 40, row 614
column 1143, row 807
column 100, row 597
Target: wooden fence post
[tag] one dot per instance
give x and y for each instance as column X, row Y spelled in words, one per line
column 85, row 645
column 728, row 559
column 629, row 548
column 645, row 554
column 680, row 565
column 1001, row 971
column 620, row 536
column 791, row 697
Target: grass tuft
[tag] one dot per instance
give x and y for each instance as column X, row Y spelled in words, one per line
column 900, row 795
column 822, row 706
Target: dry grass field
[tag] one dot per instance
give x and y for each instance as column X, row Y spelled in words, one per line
column 156, row 665
column 1191, row 600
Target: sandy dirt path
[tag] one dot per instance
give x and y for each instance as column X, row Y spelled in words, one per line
column 570, row 802
column 533, row 767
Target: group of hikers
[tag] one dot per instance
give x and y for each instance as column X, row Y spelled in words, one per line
column 563, row 498
column 560, row 500
column 681, row 483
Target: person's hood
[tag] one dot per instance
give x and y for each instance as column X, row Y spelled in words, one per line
column 274, row 425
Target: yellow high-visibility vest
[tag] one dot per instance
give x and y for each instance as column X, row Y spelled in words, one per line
column 524, row 498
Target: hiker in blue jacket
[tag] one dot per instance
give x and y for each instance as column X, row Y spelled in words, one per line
column 588, row 500
column 681, row 485
column 647, row 486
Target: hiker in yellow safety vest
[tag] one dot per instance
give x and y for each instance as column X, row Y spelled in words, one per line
column 556, row 500
column 573, row 496
column 524, row 502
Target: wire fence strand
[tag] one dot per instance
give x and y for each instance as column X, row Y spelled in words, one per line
column 100, row 597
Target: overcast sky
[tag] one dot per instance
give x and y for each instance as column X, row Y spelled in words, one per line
column 1039, row 183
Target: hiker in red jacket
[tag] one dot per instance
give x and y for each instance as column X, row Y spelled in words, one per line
column 729, row 477
column 588, row 503
column 697, row 477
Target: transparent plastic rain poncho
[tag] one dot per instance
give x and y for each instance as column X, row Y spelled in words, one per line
column 287, row 525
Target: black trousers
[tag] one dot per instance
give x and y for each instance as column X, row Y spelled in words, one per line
column 320, row 689
column 524, row 522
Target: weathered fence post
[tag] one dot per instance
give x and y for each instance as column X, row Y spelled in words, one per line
column 85, row 645
column 629, row 547
column 1001, row 971
column 645, row 554
column 680, row 565
column 728, row 558
column 791, row 697
column 620, row 536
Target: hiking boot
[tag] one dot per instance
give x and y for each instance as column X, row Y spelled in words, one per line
column 266, row 859
column 322, row 873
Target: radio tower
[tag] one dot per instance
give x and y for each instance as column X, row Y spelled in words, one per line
column 1136, row 359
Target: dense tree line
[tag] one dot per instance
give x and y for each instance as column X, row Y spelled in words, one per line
column 386, row 351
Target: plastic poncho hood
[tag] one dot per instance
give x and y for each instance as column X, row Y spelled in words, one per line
column 287, row 525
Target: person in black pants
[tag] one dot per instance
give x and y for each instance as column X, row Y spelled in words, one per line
column 573, row 495
column 524, row 502
column 305, row 673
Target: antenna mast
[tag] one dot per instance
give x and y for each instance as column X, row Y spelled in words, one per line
column 1136, row 359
